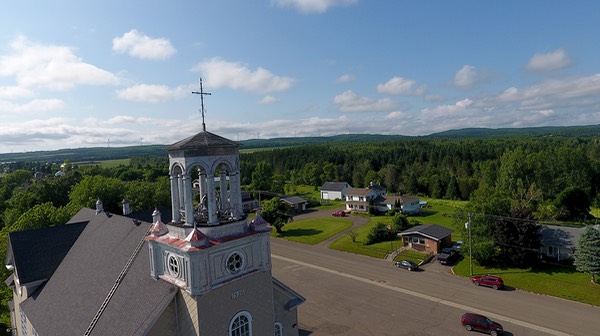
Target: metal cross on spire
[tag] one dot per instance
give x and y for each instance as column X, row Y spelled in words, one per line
column 202, row 94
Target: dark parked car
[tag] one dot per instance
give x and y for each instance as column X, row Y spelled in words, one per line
column 481, row 323
column 409, row 265
column 448, row 257
column 488, row 280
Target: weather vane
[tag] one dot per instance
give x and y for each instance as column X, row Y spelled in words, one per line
column 202, row 94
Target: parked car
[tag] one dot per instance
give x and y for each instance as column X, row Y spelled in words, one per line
column 408, row 264
column 456, row 246
column 448, row 256
column 481, row 323
column 338, row 213
column 488, row 280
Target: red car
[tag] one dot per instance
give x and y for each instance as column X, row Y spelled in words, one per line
column 481, row 323
column 488, row 280
column 338, row 213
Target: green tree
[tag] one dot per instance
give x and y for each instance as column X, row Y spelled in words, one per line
column 109, row 190
column 400, row 222
column 41, row 216
column 452, row 191
column 379, row 233
column 277, row 213
column 573, row 204
column 587, row 254
column 262, row 176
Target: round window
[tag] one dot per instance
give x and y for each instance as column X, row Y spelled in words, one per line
column 173, row 266
column 234, row 263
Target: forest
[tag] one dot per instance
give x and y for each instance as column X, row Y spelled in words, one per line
column 512, row 183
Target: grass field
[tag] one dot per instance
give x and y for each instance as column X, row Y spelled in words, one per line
column 313, row 231
column 559, row 281
column 378, row 250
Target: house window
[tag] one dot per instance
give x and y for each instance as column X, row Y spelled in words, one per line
column 241, row 324
column 174, row 267
column 234, row 262
column 278, row 329
column 550, row 250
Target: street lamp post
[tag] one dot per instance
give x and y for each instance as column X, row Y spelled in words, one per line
column 468, row 226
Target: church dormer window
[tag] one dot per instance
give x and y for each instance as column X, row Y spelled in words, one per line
column 174, row 267
column 234, row 262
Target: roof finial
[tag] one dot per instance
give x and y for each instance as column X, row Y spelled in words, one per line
column 202, row 93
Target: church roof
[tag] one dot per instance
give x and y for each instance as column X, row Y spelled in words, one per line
column 68, row 302
column 203, row 139
column 37, row 253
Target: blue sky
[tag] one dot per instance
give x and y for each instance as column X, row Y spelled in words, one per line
column 88, row 74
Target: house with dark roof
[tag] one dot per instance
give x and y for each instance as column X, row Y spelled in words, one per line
column 334, row 190
column 205, row 271
column 409, row 205
column 559, row 242
column 296, row 202
column 427, row 238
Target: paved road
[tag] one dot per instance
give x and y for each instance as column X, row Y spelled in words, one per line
column 351, row 295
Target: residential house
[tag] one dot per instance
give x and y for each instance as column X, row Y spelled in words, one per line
column 207, row 271
column 296, row 202
column 559, row 242
column 427, row 238
column 334, row 190
column 358, row 199
column 409, row 205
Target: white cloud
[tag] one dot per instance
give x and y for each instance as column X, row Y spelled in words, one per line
column 466, row 76
column 548, row 61
column 139, row 45
column 313, row 6
column 220, row 73
column 396, row 115
column 459, row 109
column 399, row 86
column 267, row 100
column 349, row 101
column 345, row 79
column 49, row 66
column 554, row 90
column 153, row 93
column 32, row 107
column 15, row 92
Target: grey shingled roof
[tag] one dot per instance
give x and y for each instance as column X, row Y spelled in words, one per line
column 334, row 186
column 202, row 139
column 432, row 231
column 37, row 253
column 293, row 200
column 70, row 299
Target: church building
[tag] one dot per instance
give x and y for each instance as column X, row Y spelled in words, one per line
column 205, row 271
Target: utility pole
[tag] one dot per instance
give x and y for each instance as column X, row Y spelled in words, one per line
column 468, row 226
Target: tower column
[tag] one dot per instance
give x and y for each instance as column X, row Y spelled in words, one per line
column 189, row 206
column 175, row 198
column 223, row 186
column 235, row 195
column 213, row 219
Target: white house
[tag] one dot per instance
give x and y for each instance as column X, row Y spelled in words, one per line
column 357, row 199
column 409, row 205
column 334, row 190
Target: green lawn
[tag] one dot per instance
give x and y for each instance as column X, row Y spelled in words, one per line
column 559, row 281
column 313, row 231
column 441, row 212
column 106, row 163
column 378, row 250
column 412, row 255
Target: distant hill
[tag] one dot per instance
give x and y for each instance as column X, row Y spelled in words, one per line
column 108, row 153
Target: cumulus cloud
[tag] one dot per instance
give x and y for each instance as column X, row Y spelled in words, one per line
column 553, row 60
column 32, row 107
column 221, row 73
column 267, row 100
column 345, row 79
column 139, row 45
column 396, row 115
column 153, row 93
column 312, row 6
column 459, row 109
column 50, row 66
column 399, row 86
column 349, row 101
column 15, row 92
column 466, row 76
